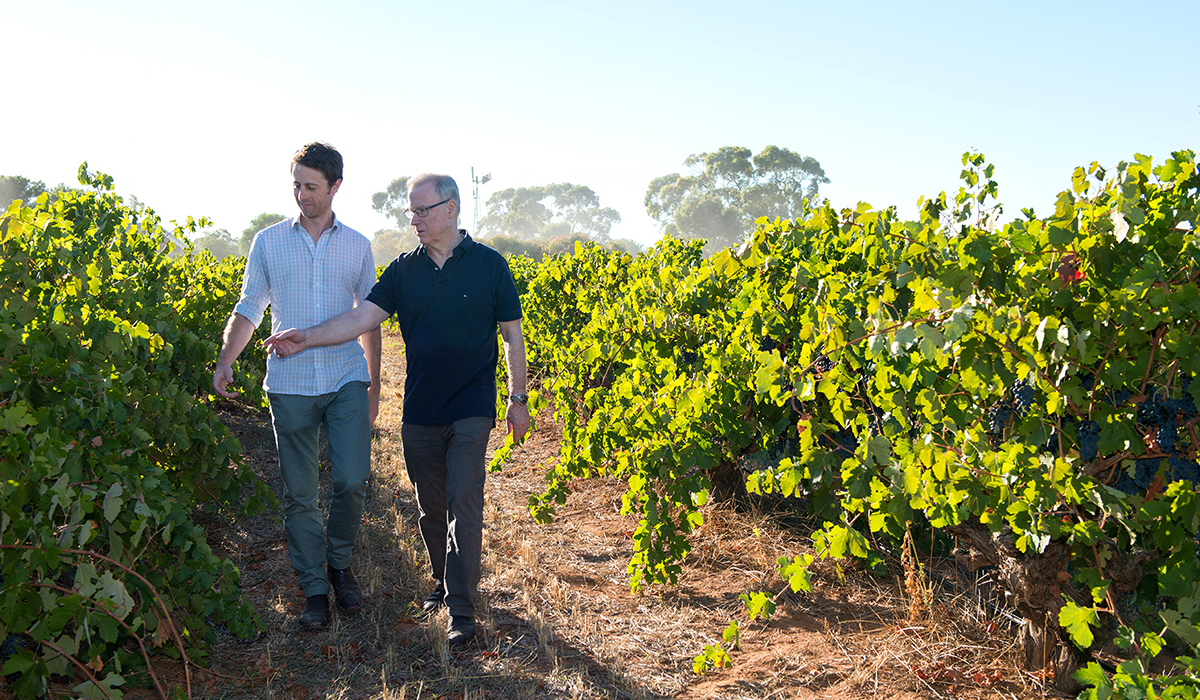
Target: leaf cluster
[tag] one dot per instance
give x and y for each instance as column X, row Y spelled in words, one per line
column 106, row 444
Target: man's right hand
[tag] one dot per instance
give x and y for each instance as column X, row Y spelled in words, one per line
column 221, row 379
column 285, row 343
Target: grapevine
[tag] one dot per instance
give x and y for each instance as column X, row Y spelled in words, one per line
column 107, row 445
column 1026, row 388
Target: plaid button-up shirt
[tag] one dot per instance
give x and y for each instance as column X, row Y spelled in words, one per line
column 307, row 283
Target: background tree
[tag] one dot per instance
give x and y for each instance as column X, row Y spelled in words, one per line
column 392, row 202
column 547, row 212
column 218, row 242
column 257, row 224
column 387, row 243
column 14, row 187
column 727, row 190
column 507, row 245
column 130, row 200
column 627, row 245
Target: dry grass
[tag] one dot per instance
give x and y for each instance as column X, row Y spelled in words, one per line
column 556, row 618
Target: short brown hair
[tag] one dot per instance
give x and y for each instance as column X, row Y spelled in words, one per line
column 322, row 157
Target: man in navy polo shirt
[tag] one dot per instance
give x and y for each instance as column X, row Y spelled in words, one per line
column 449, row 295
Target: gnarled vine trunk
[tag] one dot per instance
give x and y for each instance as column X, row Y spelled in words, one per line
column 1035, row 585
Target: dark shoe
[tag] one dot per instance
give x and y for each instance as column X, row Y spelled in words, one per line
column 316, row 613
column 436, row 599
column 462, row 628
column 349, row 595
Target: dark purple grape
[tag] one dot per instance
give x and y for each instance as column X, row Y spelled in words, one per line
column 997, row 415
column 1126, row 485
column 12, row 644
column 1147, row 467
column 1119, row 397
column 1187, row 404
column 1166, row 435
column 845, row 441
column 1152, row 411
column 1183, row 469
column 1089, row 440
column 1023, row 395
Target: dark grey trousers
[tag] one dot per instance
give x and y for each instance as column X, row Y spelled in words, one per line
column 347, row 422
column 446, row 466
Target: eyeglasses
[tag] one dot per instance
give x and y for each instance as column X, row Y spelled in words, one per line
column 422, row 212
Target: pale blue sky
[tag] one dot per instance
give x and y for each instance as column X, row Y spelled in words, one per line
column 197, row 108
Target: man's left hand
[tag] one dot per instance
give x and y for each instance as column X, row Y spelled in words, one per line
column 517, row 418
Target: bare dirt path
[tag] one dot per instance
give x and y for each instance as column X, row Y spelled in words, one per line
column 556, row 616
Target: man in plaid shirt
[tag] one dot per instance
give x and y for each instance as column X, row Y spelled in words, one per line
column 309, row 269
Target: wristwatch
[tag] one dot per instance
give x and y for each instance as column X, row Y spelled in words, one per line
column 521, row 399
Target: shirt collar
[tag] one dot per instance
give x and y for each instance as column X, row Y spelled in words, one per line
column 461, row 248
column 466, row 244
column 333, row 227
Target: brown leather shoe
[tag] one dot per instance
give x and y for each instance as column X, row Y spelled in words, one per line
column 349, row 595
column 316, row 613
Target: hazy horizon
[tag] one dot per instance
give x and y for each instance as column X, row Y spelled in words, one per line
column 197, row 110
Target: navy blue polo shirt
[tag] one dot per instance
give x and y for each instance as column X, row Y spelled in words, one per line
column 449, row 318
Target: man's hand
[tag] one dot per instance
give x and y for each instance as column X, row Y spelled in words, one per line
column 237, row 333
column 221, row 379
column 373, row 402
column 285, row 343
column 517, row 418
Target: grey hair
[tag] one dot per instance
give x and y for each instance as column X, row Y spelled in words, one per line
column 445, row 186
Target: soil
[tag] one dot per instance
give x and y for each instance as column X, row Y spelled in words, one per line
column 557, row 619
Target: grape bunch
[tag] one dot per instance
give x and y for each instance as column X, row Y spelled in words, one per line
column 845, row 442
column 767, row 344
column 1118, row 397
column 1143, row 476
column 997, row 416
column 1051, row 444
column 1147, row 467
column 1182, row 468
column 1089, row 440
column 1153, row 411
column 688, row 357
column 1187, row 404
column 1159, row 416
column 1166, row 435
column 822, row 363
column 1022, row 397
column 12, row 644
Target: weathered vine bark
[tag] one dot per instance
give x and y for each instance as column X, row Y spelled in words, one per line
column 728, row 481
column 1037, row 586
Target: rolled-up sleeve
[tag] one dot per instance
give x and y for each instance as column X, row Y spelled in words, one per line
column 367, row 279
column 256, row 288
